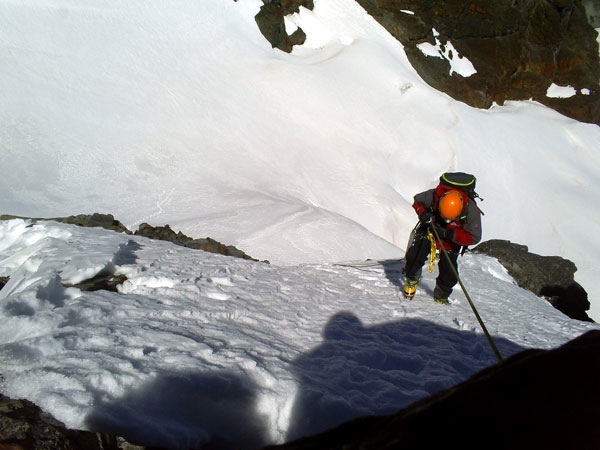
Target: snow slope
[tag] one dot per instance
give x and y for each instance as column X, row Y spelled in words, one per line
column 197, row 347
column 186, row 116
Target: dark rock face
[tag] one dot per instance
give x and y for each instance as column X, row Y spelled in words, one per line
column 105, row 282
column 96, row 220
column 546, row 399
column 24, row 426
column 270, row 21
column 107, row 221
column 210, row 245
column 551, row 277
column 517, row 47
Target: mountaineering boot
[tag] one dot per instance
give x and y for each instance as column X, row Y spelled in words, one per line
column 410, row 287
column 439, row 296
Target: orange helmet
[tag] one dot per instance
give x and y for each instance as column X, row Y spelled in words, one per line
column 450, row 205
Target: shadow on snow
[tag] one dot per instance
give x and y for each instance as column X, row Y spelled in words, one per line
column 381, row 369
column 357, row 370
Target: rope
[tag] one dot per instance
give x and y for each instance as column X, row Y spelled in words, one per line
column 487, row 335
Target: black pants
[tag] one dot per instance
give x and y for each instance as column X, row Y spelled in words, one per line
column 417, row 253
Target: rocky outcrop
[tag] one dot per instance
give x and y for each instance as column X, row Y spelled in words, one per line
column 546, row 399
column 165, row 233
column 518, row 48
column 270, row 21
column 107, row 221
column 101, row 282
column 551, row 277
column 23, row 426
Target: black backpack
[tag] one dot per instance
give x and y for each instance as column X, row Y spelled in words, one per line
column 461, row 181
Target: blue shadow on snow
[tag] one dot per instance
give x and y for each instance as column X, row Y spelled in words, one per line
column 380, row 369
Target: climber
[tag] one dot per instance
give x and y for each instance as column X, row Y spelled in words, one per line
column 449, row 214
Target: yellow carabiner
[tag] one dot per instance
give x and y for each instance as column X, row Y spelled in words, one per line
column 433, row 253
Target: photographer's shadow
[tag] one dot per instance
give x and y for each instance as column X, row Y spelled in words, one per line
column 377, row 370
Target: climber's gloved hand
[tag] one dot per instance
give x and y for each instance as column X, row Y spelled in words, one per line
column 445, row 234
column 426, row 217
